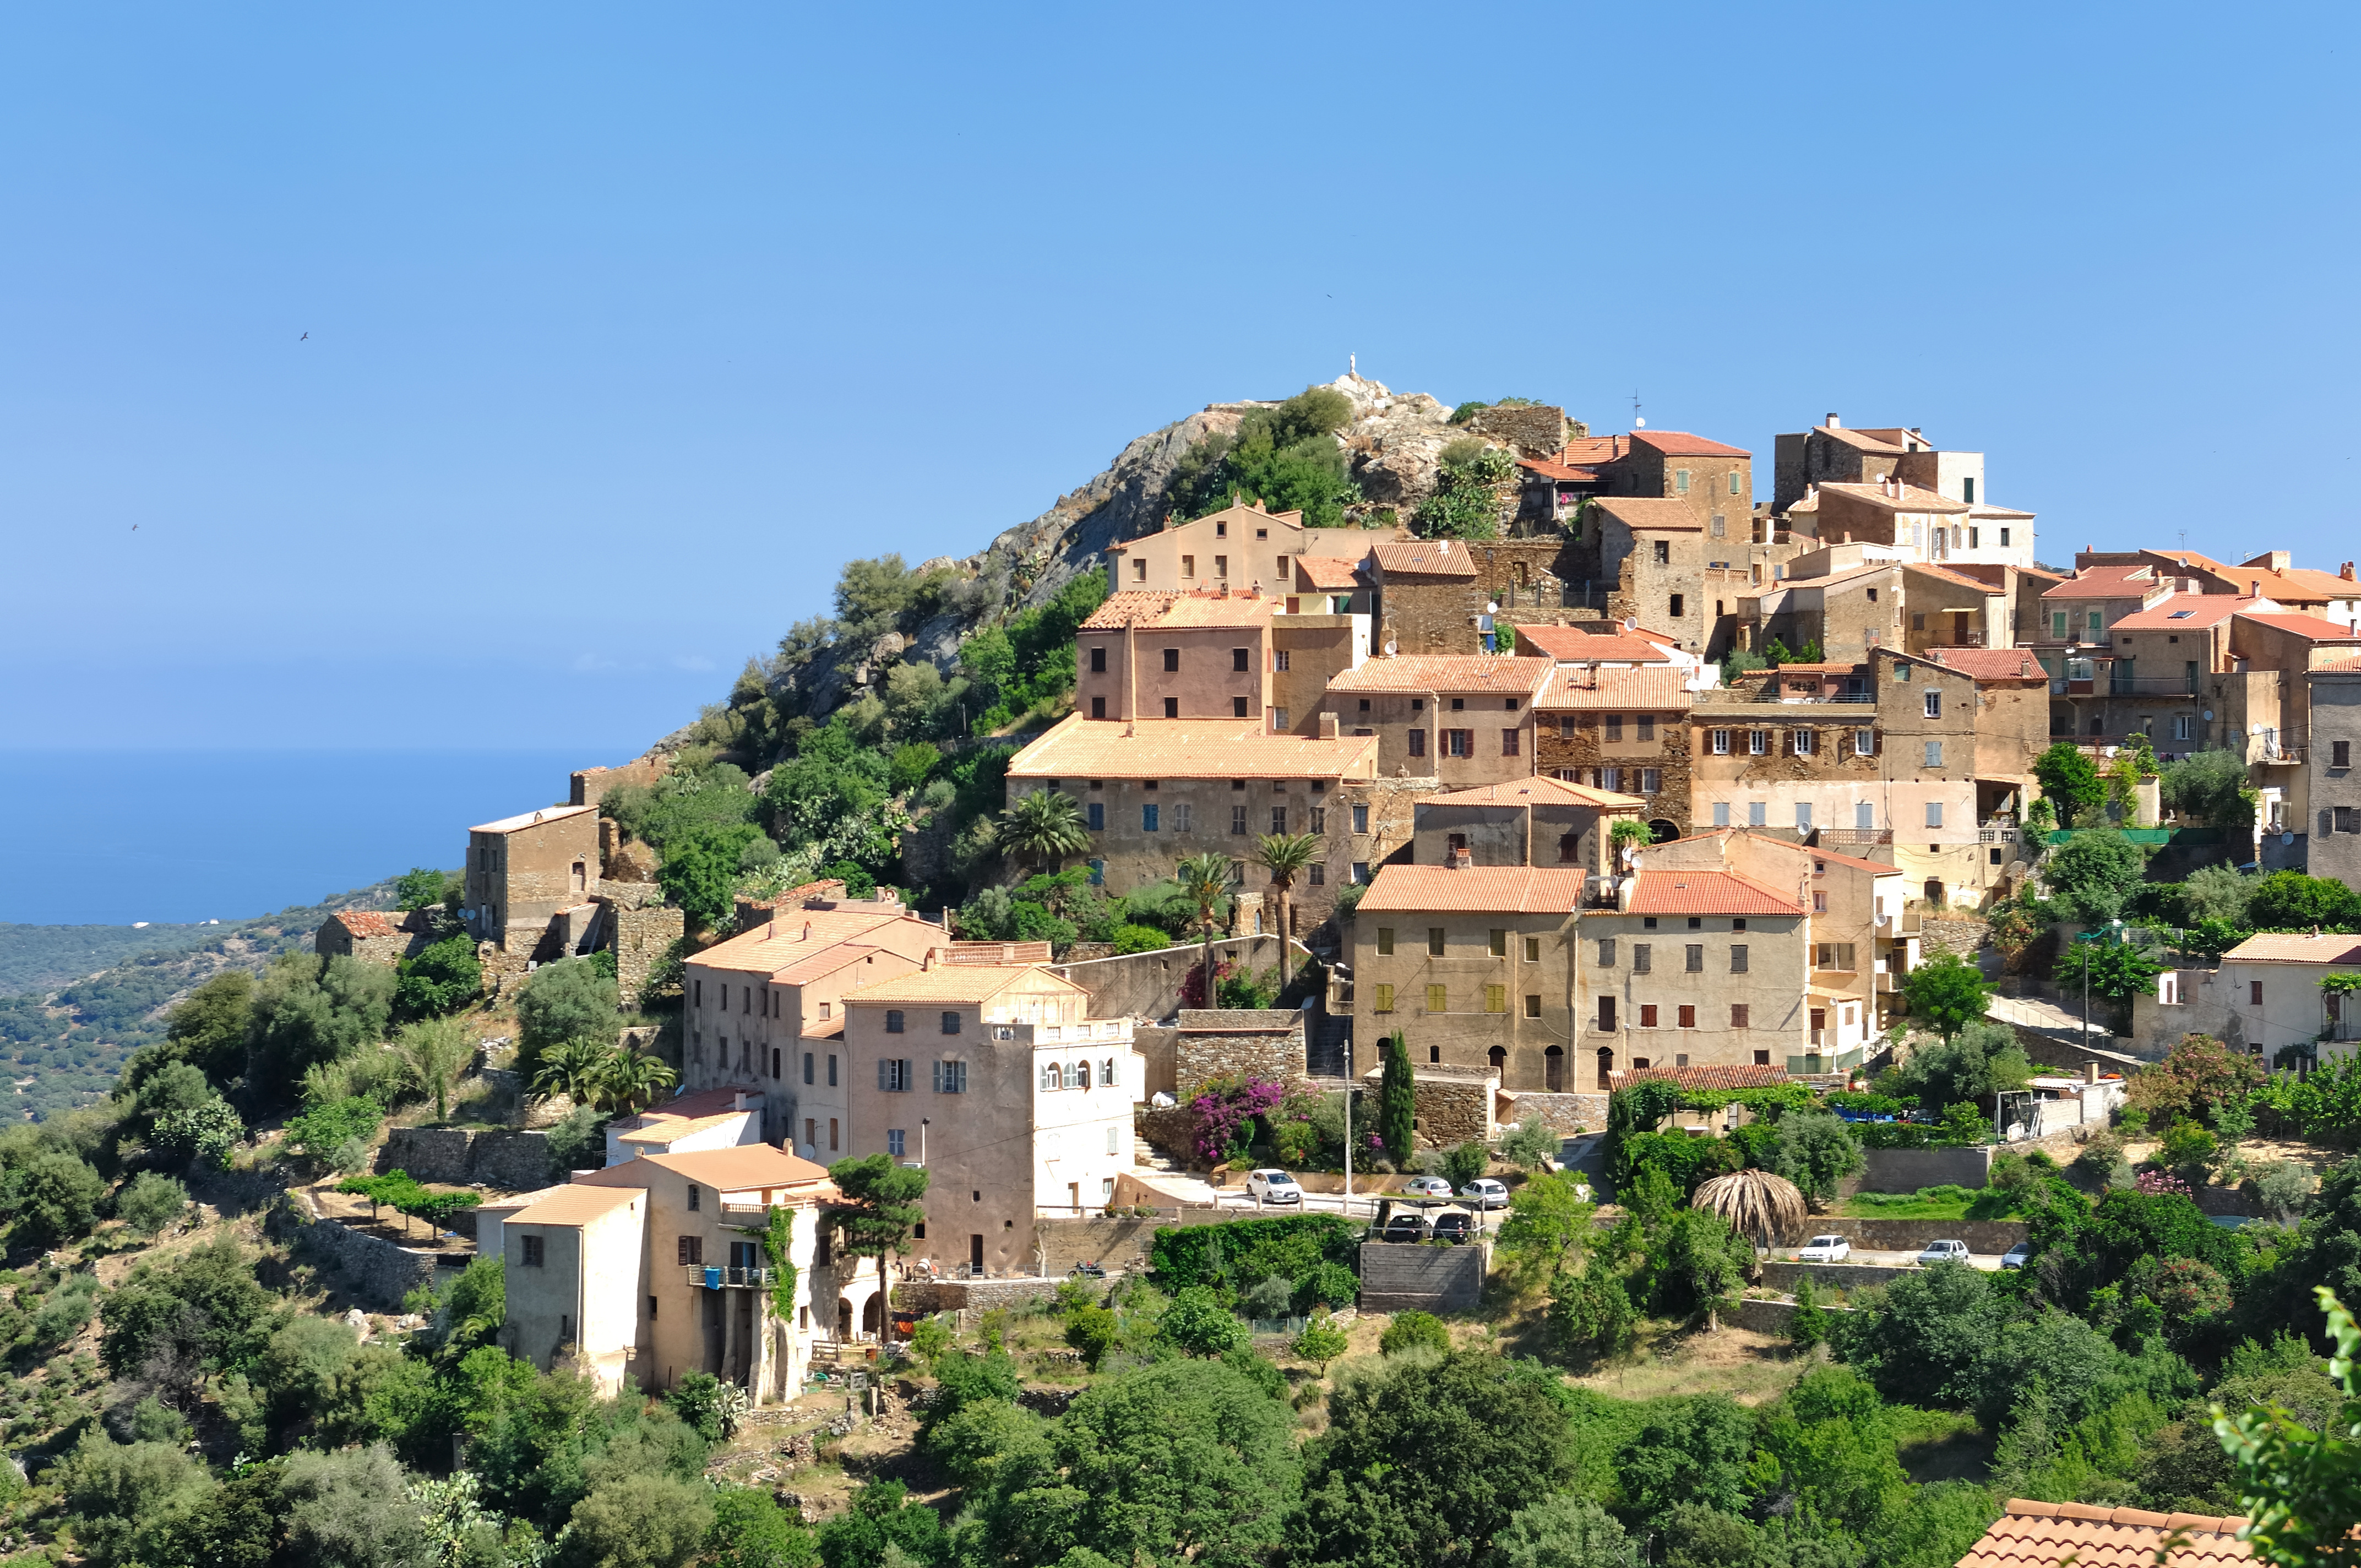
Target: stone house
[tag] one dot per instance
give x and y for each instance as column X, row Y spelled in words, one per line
column 2083, row 609
column 373, row 935
column 1152, row 654
column 1830, row 454
column 996, row 1080
column 1951, row 608
column 1330, row 585
column 1538, row 821
column 1423, row 596
column 1153, row 792
column 525, row 871
column 2271, row 985
column 1624, row 730
column 1607, row 645
column 2332, row 788
column 1308, row 652
column 1240, row 547
column 1265, row 1043
column 1653, row 553
column 2329, row 596
column 1846, row 611
column 762, row 1012
column 1928, row 523
column 643, row 1272
column 1883, row 458
column 1463, row 720
column 1711, row 479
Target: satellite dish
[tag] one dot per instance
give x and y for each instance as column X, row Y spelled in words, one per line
column 2286, row 839
column 1638, row 423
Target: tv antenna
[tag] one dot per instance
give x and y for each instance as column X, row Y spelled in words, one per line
column 1637, row 422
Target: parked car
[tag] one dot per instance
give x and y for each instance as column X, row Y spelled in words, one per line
column 1824, row 1249
column 1455, row 1226
column 2018, row 1256
column 1404, row 1228
column 1944, row 1252
column 1427, row 1187
column 1273, row 1187
column 1485, row 1194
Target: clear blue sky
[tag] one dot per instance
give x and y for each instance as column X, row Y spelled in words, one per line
column 628, row 325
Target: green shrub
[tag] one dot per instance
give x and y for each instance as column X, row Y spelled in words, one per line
column 1414, row 1329
column 1197, row 1323
column 443, row 978
column 149, row 1202
column 1250, row 1249
column 1132, row 938
column 1330, row 1285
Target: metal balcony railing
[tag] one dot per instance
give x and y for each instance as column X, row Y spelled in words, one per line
column 710, row 1276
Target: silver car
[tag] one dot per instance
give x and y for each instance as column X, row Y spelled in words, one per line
column 1272, row 1186
column 1485, row 1194
column 2018, row 1256
column 1943, row 1252
column 1427, row 1187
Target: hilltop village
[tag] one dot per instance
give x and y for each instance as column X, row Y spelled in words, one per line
column 1385, row 983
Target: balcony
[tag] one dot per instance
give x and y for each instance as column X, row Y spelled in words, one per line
column 701, row 1276
column 2280, row 746
column 1908, row 923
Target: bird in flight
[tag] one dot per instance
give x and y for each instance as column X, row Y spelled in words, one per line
column 305, row 339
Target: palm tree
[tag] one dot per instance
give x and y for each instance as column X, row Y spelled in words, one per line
column 628, row 1080
column 434, row 1052
column 1756, row 1203
column 571, row 1067
column 1046, row 825
column 1285, row 855
column 1206, row 881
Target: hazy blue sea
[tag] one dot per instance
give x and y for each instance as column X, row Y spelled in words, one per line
column 109, row 837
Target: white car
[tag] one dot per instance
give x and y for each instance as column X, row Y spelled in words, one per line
column 1824, row 1249
column 1943, row 1252
column 1485, row 1194
column 1273, row 1187
column 1427, row 1187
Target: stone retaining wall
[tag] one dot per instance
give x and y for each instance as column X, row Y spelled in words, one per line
column 1451, row 1108
column 957, row 1295
column 1908, row 1236
column 1768, row 1317
column 1148, row 985
column 1400, row 1275
column 1238, row 1043
column 1830, row 1276
column 375, row 1270
column 1907, row 1170
column 505, row 1159
column 1568, row 1114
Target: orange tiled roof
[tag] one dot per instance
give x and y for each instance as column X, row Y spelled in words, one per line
column 1540, row 789
column 2043, row 1535
column 1424, row 557
column 1188, row 749
column 2293, row 948
column 788, row 947
column 2299, row 583
column 1658, row 686
column 1476, row 890
column 1169, row 612
column 1716, row 1077
column 1559, row 471
column 1651, row 511
column 956, row 982
column 2310, row 626
column 1681, row 443
column 1572, row 645
column 1989, row 664
column 2182, row 612
column 1447, row 673
column 575, row 1205
column 366, row 922
column 1911, row 499
column 2105, row 583
column 1328, row 571
column 1707, row 892
column 1949, row 575
column 745, row 1168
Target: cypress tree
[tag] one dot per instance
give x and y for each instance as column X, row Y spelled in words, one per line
column 1396, row 1101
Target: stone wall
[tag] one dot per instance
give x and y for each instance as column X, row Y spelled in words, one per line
column 592, row 783
column 504, row 1160
column 1772, row 1318
column 1113, row 1244
column 1831, row 1276
column 376, row 1271
column 1907, row 1170
column 1586, row 751
column 1229, row 1042
column 958, row 1295
column 1399, row 1277
column 1148, row 985
column 1537, row 431
column 1171, row 1130
column 643, row 934
column 1994, row 1236
column 1568, row 1114
column 1450, row 1106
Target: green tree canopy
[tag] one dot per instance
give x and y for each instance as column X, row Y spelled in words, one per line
column 2290, row 901
column 1973, row 1065
column 1045, row 826
column 1816, row 1149
column 2211, row 785
column 2069, row 782
column 1946, row 993
column 568, row 1000
column 1286, row 457
column 2092, row 875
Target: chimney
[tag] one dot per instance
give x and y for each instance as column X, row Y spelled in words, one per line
column 1833, row 423
column 2254, row 587
column 1457, row 859
column 1328, row 727
column 806, row 930
column 2346, row 570
column 2091, row 1071
column 1445, row 548
column 738, row 1101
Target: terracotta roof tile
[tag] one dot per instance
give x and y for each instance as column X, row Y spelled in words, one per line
column 1476, row 890
column 746, row 1168
column 796, row 944
column 2181, row 612
column 2043, row 1535
column 1652, row 513
column 1859, row 440
column 1743, row 1076
column 1328, row 572
column 573, row 1205
column 1559, row 471
column 1079, row 748
column 366, row 922
column 1989, row 664
column 1447, row 673
column 1681, row 443
column 1657, row 686
column 1949, row 575
column 1424, row 557
column 2291, row 947
column 2105, row 583
column 1707, row 892
column 2309, row 626
column 1572, row 645
column 1539, row 789
column 1168, row 611
column 1911, row 498
column 956, row 982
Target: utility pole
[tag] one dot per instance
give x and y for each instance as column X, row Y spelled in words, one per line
column 1348, row 1126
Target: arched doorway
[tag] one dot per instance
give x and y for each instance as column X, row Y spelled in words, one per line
column 1664, row 830
column 1498, row 1056
column 844, row 1319
column 1553, row 1069
column 1606, row 1066
column 869, row 1316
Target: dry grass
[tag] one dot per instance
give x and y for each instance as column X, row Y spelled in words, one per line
column 1750, row 1367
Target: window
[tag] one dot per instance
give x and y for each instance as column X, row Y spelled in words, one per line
column 896, row 1142
column 831, row 1135
column 1819, row 904
column 2340, row 754
column 1615, row 729
column 1934, row 753
column 1803, row 814
column 1151, row 817
column 1694, row 959
column 1238, row 708
column 1434, row 942
column 1934, row 704
column 1804, row 741
column 831, row 1070
column 1094, row 814
column 1098, row 873
column 690, row 1250
column 2254, row 993
column 1864, row 742
column 1643, row 958
column 1496, row 999
column 1279, row 661
column 1738, row 1016
column 1533, row 1006
column 1221, row 566
column 1460, row 742
column 1532, row 950
column 533, row 1251
column 1647, row 1014
column 951, row 1023
column 1172, row 660
column 1078, row 1075
column 1647, row 725
column 1688, row 1016
column 1051, row 1078
column 950, row 1077
column 1663, row 552
column 1361, row 873
column 894, row 1073
column 1385, row 941
column 1758, row 813
column 1171, row 708
column 1417, row 742
column 1681, row 481
column 1360, row 818
column 808, row 1073
column 1676, row 606
column 1237, row 819
column 2340, row 819
column 892, row 1027
column 1098, row 660
column 1385, row 998
column 1606, row 952
column 1720, row 741
column 1435, row 999
column 1139, row 571
column 1722, row 814
column 1278, row 819
column 1716, row 529
column 1758, row 742
column 1934, row 813
column 1864, row 814
column 1238, row 659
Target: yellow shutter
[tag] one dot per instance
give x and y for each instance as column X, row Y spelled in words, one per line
column 1385, row 994
column 1496, row 999
column 1435, row 999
